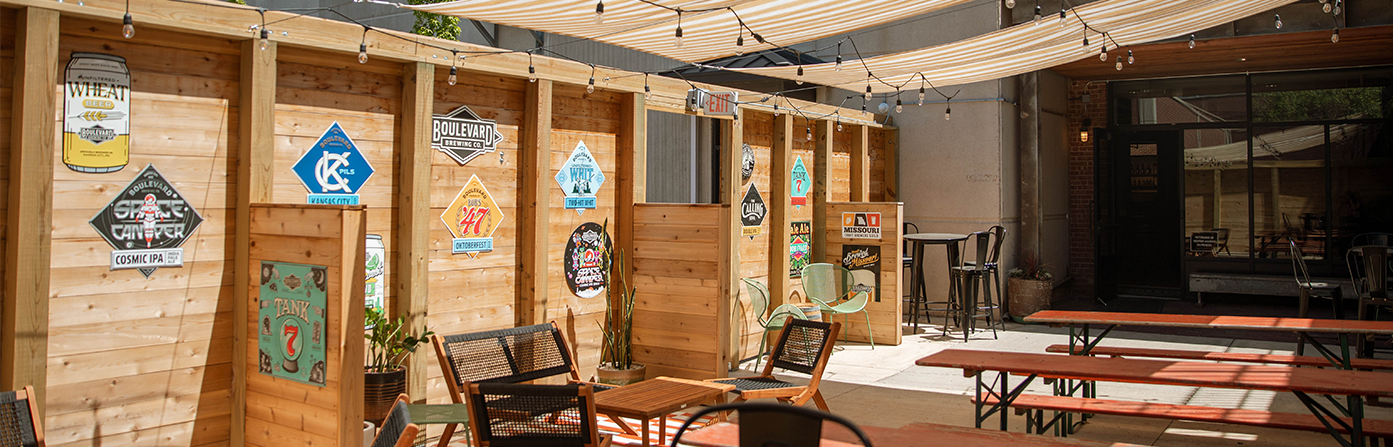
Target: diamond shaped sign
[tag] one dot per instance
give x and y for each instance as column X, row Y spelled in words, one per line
column 462, row 135
column 580, row 178
column 472, row 217
column 146, row 223
column 333, row 170
column 799, row 183
column 752, row 212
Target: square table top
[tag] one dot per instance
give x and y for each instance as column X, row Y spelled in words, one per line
column 657, row 397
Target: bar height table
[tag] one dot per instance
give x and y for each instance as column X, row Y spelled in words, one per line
column 919, row 295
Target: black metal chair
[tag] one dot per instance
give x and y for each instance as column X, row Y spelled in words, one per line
column 1309, row 289
column 774, row 425
column 508, row 414
column 994, row 304
column 18, row 426
column 969, row 279
column 804, row 346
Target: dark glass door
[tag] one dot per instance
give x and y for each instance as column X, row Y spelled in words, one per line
column 1139, row 228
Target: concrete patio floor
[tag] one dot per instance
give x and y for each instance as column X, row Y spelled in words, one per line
column 883, row 387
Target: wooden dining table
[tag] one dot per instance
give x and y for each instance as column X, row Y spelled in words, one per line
column 656, row 398
column 920, row 434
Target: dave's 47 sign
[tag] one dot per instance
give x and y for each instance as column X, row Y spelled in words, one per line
column 333, row 170
column 472, row 217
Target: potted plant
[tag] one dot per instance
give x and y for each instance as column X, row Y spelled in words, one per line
column 1031, row 286
column 384, row 376
column 617, row 365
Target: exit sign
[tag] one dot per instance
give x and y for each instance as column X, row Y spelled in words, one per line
column 712, row 103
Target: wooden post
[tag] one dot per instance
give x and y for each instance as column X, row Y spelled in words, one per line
column 892, row 165
column 822, row 176
column 732, row 139
column 28, row 232
column 413, row 208
column 780, row 166
column 861, row 165
column 632, row 170
column 534, row 221
column 256, row 125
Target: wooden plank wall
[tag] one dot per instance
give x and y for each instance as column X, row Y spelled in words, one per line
column 675, row 307
column 7, row 61
column 758, row 131
column 803, row 147
column 885, row 315
column 284, row 412
column 148, row 357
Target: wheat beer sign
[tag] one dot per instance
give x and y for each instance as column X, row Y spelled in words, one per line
column 146, row 223
column 96, row 113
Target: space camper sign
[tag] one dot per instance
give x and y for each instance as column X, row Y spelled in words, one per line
column 147, row 223
column 463, row 135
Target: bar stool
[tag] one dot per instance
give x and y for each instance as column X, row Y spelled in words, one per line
column 907, row 265
column 998, row 234
column 970, row 279
column 1309, row 289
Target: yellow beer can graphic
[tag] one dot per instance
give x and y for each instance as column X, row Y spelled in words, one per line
column 96, row 113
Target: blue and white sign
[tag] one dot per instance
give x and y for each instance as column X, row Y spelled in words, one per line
column 333, row 170
column 799, row 183
column 580, row 178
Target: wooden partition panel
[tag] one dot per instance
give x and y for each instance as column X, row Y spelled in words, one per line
column 885, row 315
column 283, row 412
column 675, row 310
column 754, row 251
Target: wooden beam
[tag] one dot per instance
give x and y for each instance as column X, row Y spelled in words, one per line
column 28, row 231
column 732, row 140
column 411, row 279
column 822, row 177
column 632, row 169
column 861, row 164
column 892, row 165
column 780, row 210
column 256, row 126
column 534, row 219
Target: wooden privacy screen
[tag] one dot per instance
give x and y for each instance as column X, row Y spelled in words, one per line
column 284, row 412
column 885, row 315
column 676, row 267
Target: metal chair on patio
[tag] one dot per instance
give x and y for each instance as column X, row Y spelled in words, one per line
column 804, row 346
column 975, row 277
column 397, row 430
column 759, row 301
column 1309, row 289
column 998, row 234
column 826, row 284
column 524, row 415
column 18, row 426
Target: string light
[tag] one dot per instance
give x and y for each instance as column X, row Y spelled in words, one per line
column 265, row 38
column 1038, row 17
column 1278, row 18
column 740, row 44
column 921, row 96
column 1084, row 130
column 128, row 26
column 1085, row 43
column 1337, row 7
column 363, row 48
column 838, row 66
column 677, row 37
column 1104, row 55
column 799, row 79
column 868, row 88
column 591, row 87
column 839, row 122
column 599, row 13
column 1130, row 59
column 454, row 71
column 899, row 106
column 1062, row 16
column 1325, row 5
column 810, row 132
column 1335, row 37
column 646, row 89
column 948, row 113
column 531, row 70
column 1119, row 63
column 1192, row 41
column 1010, row 4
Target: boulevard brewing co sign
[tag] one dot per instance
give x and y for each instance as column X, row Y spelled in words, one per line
column 752, row 212
column 799, row 183
column 584, row 260
column 861, row 225
column 333, row 170
column 146, row 223
column 472, row 217
column 580, row 178
column 463, row 135
column 291, row 322
column 96, row 113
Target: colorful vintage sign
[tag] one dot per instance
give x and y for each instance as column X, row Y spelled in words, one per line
column 146, row 223
column 584, row 260
column 799, row 183
column 747, row 162
column 374, row 272
column 580, row 178
column 96, row 113
column 861, row 225
column 472, row 217
column 864, row 263
column 291, row 321
column 463, row 135
column 800, row 247
column 333, row 170
column 752, row 212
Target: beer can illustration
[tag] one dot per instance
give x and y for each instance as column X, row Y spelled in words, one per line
column 96, row 113
column 375, row 267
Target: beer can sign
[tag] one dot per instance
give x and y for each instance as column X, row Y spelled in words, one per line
column 96, row 113
column 585, row 260
column 291, row 322
column 375, row 269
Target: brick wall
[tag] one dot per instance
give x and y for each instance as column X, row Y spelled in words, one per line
column 1081, row 176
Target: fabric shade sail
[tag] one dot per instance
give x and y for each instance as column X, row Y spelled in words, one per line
column 709, row 29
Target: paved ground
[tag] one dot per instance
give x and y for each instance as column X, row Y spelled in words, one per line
column 883, row 387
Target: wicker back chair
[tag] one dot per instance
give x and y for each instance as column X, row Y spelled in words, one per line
column 397, row 429
column 18, row 426
column 804, row 346
column 506, row 414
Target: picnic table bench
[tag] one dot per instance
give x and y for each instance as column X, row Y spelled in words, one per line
column 1244, row 357
column 1303, row 382
column 920, row 434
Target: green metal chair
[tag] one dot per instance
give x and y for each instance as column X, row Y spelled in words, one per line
column 826, row 284
column 759, row 301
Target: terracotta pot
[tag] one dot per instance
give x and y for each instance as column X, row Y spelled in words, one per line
column 620, row 377
column 1029, row 296
column 380, row 391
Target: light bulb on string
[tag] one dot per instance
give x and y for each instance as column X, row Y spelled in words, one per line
column 591, row 87
column 1192, row 41
column 265, row 39
column 1335, row 36
column 1119, row 63
column 948, row 114
column 646, row 89
column 1010, row 4
column 1085, row 42
column 454, row 76
column 677, row 37
column 127, row 26
column 838, row 66
column 531, row 73
column 1103, row 56
column 899, row 106
column 1278, row 18
column 1337, row 7
column 1130, row 60
column 740, row 45
column 1038, row 17
column 599, row 12
column 810, row 133
column 362, row 53
column 868, row 89
column 1062, row 15
column 839, row 125
column 921, row 96
column 799, row 79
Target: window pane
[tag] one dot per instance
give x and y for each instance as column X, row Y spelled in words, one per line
column 1289, row 190
column 1361, row 163
column 1322, row 95
column 1169, row 101
column 1216, row 192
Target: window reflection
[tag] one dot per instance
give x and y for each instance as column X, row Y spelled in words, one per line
column 1216, row 192
column 1289, row 191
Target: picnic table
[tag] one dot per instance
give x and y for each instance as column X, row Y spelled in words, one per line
column 1302, row 382
column 727, row 434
